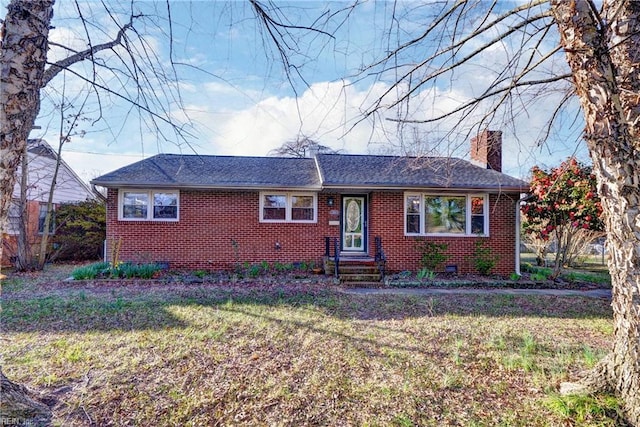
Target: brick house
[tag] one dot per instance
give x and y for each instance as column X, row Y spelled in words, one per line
column 213, row 212
column 41, row 161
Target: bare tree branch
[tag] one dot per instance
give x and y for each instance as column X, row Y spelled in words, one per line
column 55, row 68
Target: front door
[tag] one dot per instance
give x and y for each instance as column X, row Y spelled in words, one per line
column 354, row 224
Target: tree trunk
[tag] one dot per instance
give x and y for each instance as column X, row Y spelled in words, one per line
column 23, row 256
column 17, row 408
column 23, row 53
column 604, row 55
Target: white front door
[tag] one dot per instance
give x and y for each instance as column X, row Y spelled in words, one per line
column 354, row 223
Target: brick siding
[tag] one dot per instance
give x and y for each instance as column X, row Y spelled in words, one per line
column 10, row 241
column 218, row 230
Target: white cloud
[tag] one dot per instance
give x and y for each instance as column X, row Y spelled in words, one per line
column 325, row 112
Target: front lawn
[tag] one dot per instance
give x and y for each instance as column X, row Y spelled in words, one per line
column 300, row 354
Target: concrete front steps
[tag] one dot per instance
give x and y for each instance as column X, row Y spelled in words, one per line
column 355, row 271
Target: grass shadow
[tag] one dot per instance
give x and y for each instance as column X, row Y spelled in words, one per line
column 138, row 307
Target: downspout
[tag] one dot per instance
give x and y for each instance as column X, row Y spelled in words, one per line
column 98, row 194
column 103, row 199
column 517, row 248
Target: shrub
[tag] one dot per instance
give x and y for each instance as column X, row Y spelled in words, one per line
column 483, row 258
column 431, row 254
column 91, row 271
column 425, row 273
column 80, row 232
column 123, row 270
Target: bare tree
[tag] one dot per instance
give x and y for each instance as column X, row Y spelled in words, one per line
column 554, row 52
column 126, row 67
column 301, row 147
column 602, row 49
column 136, row 75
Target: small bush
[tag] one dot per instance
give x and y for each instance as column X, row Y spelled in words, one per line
column 200, row 274
column 425, row 273
column 103, row 270
column 539, row 277
column 431, row 254
column 483, row 258
column 254, row 271
column 91, row 271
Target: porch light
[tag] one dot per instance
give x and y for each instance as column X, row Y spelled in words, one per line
column 330, row 201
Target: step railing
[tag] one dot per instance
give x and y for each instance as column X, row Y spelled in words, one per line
column 381, row 258
column 336, row 254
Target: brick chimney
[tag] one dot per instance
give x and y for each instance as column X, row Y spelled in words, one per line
column 486, row 150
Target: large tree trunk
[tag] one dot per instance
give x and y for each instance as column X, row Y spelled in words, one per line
column 604, row 55
column 23, row 53
column 17, row 408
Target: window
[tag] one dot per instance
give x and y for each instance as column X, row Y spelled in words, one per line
column 42, row 216
column 445, row 214
column 13, row 219
column 477, row 215
column 288, row 207
column 439, row 214
column 274, row 207
column 135, row 205
column 413, row 214
column 149, row 205
column 165, row 206
column 302, row 208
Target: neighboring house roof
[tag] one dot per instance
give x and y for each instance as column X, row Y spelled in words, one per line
column 41, row 167
column 335, row 171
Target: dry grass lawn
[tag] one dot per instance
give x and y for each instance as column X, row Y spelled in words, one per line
column 298, row 354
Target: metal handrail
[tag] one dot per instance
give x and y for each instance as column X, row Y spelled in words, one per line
column 336, row 258
column 381, row 258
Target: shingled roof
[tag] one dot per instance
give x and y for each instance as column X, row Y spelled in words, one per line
column 335, row 171
column 193, row 171
column 362, row 171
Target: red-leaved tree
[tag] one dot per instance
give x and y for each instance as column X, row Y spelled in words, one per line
column 564, row 208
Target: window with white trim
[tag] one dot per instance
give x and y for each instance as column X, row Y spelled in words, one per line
column 446, row 214
column 288, row 207
column 148, row 205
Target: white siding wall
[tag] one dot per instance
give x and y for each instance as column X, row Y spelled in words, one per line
column 70, row 188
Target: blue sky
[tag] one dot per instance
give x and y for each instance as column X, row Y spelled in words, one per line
column 235, row 92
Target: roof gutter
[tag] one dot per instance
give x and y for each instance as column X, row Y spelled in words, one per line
column 204, row 187
column 423, row 188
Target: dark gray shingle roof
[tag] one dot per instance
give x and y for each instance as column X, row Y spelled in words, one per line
column 411, row 172
column 192, row 171
column 340, row 171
